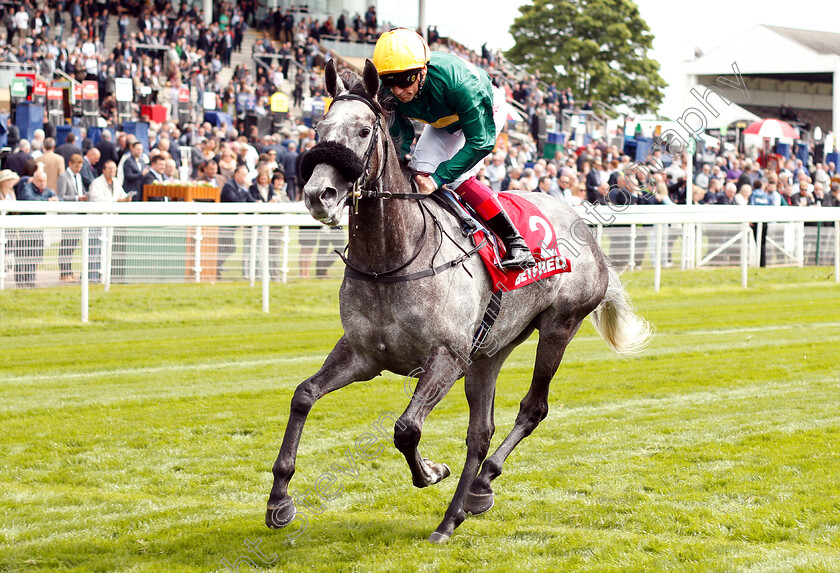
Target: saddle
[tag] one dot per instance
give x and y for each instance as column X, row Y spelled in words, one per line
column 534, row 227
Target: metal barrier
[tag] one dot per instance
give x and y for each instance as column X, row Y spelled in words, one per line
column 748, row 228
column 158, row 242
column 347, row 49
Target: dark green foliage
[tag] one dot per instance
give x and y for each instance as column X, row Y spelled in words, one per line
column 598, row 46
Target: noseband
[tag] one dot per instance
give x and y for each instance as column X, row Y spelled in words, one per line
column 351, row 166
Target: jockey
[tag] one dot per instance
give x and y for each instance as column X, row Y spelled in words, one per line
column 463, row 112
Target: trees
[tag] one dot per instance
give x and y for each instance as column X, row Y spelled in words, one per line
column 596, row 47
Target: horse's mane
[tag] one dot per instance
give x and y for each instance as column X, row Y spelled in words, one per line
column 354, row 84
column 385, row 103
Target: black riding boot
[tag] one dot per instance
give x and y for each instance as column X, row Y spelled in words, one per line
column 518, row 254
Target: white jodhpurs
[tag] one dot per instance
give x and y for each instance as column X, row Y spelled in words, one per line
column 438, row 145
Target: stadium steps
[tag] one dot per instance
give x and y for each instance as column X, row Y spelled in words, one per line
column 245, row 57
column 112, row 36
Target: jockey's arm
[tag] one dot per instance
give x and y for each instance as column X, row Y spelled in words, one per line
column 474, row 104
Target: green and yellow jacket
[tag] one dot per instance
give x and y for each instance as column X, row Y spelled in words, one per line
column 455, row 96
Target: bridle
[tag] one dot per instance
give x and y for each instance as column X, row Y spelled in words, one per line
column 365, row 187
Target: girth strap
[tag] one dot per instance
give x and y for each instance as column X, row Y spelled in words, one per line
column 487, row 322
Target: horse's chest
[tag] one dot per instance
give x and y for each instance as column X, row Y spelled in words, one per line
column 400, row 330
column 374, row 324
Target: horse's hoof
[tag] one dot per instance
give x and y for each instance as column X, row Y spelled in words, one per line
column 438, row 537
column 437, row 472
column 478, row 503
column 442, row 470
column 280, row 515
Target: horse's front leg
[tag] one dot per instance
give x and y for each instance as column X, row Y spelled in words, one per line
column 342, row 367
column 440, row 373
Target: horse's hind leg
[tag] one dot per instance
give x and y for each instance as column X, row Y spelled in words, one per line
column 532, row 410
column 342, row 367
column 480, row 388
column 441, row 372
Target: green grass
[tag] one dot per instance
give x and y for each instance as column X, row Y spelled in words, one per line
column 143, row 441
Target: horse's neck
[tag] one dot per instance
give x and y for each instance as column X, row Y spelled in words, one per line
column 385, row 232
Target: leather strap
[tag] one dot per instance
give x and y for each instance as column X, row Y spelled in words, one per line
column 373, row 277
column 487, row 322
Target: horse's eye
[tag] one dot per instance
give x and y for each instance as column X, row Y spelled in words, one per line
column 365, row 132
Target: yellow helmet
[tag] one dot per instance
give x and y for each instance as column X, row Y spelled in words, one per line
column 400, row 50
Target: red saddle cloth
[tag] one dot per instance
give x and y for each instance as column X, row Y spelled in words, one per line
column 540, row 237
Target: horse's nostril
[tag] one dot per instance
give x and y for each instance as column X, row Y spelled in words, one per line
column 328, row 195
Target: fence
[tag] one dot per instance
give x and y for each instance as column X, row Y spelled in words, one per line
column 702, row 235
column 347, row 49
column 143, row 243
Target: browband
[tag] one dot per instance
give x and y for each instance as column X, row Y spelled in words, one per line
column 355, row 97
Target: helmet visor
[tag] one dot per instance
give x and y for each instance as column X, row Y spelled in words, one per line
column 400, row 79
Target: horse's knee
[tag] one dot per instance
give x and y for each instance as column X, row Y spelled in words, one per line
column 303, row 399
column 479, row 440
column 406, row 435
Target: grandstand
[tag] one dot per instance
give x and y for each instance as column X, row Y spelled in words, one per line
column 242, row 58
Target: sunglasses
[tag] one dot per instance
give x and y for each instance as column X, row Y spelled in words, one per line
column 400, row 79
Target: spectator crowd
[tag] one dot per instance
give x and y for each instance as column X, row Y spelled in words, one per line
column 601, row 174
column 171, row 49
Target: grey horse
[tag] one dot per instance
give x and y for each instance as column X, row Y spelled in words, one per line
column 426, row 325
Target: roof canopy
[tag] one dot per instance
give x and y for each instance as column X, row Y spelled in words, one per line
column 771, row 50
column 729, row 114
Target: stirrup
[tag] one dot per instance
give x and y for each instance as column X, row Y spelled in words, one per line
column 523, row 260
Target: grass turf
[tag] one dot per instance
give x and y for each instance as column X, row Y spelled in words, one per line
column 144, row 440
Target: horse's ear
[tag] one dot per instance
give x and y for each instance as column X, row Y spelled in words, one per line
column 371, row 78
column 334, row 84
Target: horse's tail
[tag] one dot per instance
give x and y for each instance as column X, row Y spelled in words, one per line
column 616, row 320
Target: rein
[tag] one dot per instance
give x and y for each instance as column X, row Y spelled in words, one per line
column 366, row 188
column 390, row 277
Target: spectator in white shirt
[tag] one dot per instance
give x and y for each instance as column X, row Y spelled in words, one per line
column 170, row 171
column 22, row 22
column 88, row 47
column 106, row 187
column 702, row 178
column 496, row 172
